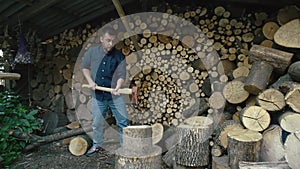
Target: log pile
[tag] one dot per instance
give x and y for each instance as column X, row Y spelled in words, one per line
column 224, row 62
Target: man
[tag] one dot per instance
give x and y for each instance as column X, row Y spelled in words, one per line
column 105, row 66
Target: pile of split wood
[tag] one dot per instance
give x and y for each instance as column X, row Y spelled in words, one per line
column 238, row 70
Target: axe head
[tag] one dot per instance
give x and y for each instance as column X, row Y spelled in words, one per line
column 135, row 95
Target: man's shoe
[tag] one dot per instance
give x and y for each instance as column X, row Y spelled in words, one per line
column 94, row 150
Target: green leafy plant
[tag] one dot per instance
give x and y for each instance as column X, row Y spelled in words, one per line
column 14, row 116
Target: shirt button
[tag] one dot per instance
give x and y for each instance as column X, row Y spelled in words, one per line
column 103, row 63
column 102, row 70
column 102, row 78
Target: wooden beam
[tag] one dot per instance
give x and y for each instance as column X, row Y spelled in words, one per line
column 27, row 13
column 89, row 17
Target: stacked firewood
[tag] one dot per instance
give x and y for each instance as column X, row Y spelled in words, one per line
column 203, row 64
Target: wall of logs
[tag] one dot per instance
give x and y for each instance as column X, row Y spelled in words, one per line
column 222, row 67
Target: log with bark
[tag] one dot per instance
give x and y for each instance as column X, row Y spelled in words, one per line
column 258, row 78
column 294, row 71
column 137, row 150
column 36, row 141
column 243, row 145
column 80, row 144
column 193, row 142
column 280, row 60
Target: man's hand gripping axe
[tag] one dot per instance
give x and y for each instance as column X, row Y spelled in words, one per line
column 133, row 91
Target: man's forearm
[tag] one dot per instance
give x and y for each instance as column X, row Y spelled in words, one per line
column 120, row 82
column 87, row 75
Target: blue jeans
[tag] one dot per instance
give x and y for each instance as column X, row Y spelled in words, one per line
column 99, row 109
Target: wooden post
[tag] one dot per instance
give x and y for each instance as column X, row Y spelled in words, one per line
column 193, row 143
column 243, row 145
column 258, row 78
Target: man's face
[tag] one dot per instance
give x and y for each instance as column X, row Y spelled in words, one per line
column 107, row 41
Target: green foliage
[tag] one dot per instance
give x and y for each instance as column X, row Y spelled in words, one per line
column 14, row 116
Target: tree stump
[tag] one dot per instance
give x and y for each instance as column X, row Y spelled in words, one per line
column 140, row 136
column 138, row 150
column 271, row 100
column 255, row 118
column 193, row 143
column 258, row 78
column 243, row 145
column 151, row 160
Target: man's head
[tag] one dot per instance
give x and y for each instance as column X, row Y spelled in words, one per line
column 107, row 38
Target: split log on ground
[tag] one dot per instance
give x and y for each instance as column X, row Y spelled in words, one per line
column 288, row 34
column 79, row 145
column 280, row 60
column 292, row 99
column 264, row 165
column 234, row 92
column 258, row 78
column 272, row 146
column 292, row 151
column 294, row 71
column 140, row 136
column 148, row 161
column 193, row 142
column 243, row 145
column 289, row 121
column 222, row 131
column 255, row 118
column 271, row 100
column 220, row 162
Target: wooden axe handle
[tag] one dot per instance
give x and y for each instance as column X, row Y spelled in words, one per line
column 106, row 89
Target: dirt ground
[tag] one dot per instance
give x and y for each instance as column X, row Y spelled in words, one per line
column 57, row 156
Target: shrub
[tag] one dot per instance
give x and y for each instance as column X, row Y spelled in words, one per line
column 14, row 116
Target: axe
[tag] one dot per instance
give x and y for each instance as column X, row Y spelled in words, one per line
column 133, row 91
